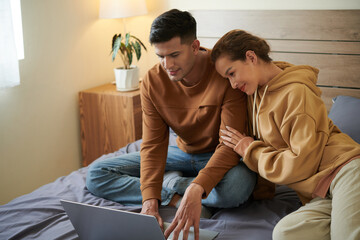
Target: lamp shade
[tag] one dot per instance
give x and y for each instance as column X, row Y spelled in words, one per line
column 122, row 8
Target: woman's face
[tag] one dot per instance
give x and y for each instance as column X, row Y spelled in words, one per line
column 243, row 75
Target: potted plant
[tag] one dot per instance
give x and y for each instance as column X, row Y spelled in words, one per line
column 127, row 77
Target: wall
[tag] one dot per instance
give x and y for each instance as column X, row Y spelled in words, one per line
column 67, row 50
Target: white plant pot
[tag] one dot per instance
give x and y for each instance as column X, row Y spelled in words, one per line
column 127, row 79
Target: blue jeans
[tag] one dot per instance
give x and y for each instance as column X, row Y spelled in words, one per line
column 117, row 179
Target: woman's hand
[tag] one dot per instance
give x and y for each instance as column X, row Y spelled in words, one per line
column 235, row 140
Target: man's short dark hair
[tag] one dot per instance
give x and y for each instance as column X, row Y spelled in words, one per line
column 173, row 23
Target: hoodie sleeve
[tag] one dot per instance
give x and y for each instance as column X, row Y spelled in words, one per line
column 299, row 146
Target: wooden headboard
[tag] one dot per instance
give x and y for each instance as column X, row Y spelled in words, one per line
column 326, row 39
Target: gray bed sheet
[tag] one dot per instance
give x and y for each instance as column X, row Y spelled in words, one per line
column 39, row 214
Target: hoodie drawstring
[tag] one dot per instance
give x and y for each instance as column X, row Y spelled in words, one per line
column 256, row 120
column 253, row 113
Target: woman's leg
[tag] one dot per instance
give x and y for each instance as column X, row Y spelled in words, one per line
column 335, row 217
column 310, row 222
column 345, row 191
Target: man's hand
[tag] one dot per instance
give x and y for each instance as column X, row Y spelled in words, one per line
column 188, row 213
column 151, row 207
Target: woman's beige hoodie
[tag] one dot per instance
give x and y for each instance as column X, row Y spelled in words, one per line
column 298, row 144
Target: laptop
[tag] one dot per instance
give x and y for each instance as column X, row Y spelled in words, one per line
column 101, row 223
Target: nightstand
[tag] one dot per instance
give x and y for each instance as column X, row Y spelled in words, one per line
column 109, row 120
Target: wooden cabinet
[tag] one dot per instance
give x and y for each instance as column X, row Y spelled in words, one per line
column 108, row 119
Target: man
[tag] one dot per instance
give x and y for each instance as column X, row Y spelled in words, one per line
column 183, row 92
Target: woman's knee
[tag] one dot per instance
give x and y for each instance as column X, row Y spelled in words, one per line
column 286, row 229
column 280, row 231
column 308, row 222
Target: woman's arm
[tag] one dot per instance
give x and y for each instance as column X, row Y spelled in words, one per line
column 299, row 160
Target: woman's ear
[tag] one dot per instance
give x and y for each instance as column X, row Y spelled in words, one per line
column 251, row 56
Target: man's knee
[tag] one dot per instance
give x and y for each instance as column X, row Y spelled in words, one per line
column 93, row 178
column 241, row 178
column 236, row 186
column 242, row 174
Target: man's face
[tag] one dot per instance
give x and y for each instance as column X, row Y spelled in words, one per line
column 176, row 58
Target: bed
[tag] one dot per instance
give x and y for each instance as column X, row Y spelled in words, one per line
column 326, row 39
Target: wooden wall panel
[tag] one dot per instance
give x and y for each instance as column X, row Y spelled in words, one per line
column 301, row 46
column 282, row 24
column 326, row 39
column 341, row 70
column 335, row 70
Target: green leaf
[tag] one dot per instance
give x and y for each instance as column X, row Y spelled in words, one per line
column 137, row 49
column 138, row 40
column 129, row 54
column 113, row 40
column 127, row 37
column 116, row 46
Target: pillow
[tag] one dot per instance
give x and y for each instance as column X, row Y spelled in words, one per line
column 345, row 113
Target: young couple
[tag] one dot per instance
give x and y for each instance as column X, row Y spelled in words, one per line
column 216, row 162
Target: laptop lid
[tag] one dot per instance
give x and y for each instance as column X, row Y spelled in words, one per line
column 94, row 222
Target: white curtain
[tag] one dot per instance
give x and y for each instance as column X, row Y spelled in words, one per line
column 9, row 64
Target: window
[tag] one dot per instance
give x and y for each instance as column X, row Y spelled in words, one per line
column 17, row 26
column 11, row 42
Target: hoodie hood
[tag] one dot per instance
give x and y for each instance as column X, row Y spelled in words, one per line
column 301, row 74
column 291, row 73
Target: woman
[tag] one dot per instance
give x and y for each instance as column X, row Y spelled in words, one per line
column 294, row 142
